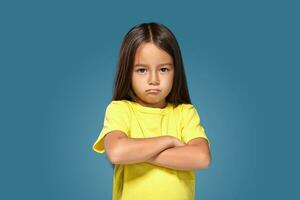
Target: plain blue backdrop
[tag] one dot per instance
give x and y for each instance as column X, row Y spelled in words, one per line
column 58, row 61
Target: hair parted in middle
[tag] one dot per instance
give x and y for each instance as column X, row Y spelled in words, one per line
column 163, row 38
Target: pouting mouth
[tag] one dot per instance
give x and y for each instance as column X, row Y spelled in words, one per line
column 153, row 90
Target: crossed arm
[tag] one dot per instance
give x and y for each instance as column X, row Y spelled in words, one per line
column 161, row 151
column 194, row 155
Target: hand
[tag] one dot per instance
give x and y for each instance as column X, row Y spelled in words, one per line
column 177, row 142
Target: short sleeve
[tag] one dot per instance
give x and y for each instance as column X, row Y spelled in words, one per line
column 191, row 124
column 116, row 117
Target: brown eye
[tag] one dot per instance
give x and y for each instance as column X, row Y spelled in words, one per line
column 142, row 70
column 164, row 69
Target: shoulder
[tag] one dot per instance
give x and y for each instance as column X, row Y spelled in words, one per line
column 189, row 112
column 120, row 103
column 118, row 106
column 187, row 108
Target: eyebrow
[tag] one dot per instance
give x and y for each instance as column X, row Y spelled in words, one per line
column 144, row 65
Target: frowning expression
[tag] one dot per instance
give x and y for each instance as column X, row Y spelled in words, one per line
column 152, row 75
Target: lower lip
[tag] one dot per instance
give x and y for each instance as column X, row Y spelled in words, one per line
column 153, row 91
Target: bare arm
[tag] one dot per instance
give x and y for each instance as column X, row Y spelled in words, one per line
column 194, row 155
column 124, row 150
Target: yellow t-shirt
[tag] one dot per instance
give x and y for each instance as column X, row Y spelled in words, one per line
column 145, row 181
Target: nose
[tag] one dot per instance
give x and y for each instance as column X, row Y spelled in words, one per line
column 154, row 79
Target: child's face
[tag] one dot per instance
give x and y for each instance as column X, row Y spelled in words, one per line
column 153, row 69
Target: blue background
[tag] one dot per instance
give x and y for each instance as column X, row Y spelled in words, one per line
column 58, row 62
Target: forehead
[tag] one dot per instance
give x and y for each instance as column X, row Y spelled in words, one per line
column 150, row 54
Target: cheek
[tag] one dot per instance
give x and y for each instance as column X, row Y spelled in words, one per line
column 136, row 82
column 170, row 83
column 139, row 79
column 169, row 80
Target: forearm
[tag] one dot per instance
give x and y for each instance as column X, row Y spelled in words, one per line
column 186, row 157
column 136, row 150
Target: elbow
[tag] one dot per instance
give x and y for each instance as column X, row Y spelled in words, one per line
column 113, row 159
column 113, row 156
column 113, row 152
column 207, row 162
column 204, row 162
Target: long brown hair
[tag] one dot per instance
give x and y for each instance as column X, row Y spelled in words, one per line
column 163, row 38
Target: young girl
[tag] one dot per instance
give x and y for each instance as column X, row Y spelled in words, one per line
column 152, row 132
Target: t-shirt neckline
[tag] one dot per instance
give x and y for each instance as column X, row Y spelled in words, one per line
column 146, row 109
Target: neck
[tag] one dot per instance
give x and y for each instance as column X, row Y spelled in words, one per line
column 161, row 104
